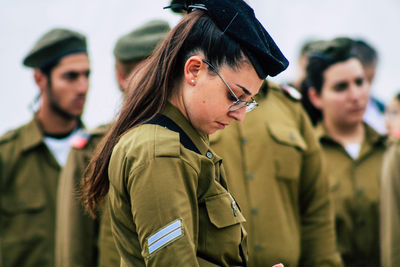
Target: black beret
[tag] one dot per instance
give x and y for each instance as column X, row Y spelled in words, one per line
column 176, row 6
column 53, row 45
column 141, row 42
column 237, row 19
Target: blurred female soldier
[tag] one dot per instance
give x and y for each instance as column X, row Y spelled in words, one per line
column 169, row 202
column 353, row 150
column 390, row 188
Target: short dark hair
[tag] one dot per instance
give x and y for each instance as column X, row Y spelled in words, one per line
column 332, row 52
column 365, row 52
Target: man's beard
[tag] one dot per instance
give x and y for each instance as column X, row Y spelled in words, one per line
column 55, row 106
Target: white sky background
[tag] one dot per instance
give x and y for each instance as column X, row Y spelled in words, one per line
column 290, row 22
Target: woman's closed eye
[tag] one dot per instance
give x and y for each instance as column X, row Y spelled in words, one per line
column 231, row 97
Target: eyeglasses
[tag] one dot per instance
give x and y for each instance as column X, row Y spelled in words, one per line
column 238, row 104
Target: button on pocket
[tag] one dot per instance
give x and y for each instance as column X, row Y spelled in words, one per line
column 223, row 211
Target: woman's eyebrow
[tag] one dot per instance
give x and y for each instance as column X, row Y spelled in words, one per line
column 247, row 92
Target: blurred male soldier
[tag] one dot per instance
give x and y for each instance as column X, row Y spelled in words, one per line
column 31, row 156
column 81, row 240
column 274, row 169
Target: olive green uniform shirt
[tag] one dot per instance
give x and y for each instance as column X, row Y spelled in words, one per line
column 81, row 240
column 390, row 206
column 355, row 188
column 156, row 184
column 274, row 169
column 28, row 186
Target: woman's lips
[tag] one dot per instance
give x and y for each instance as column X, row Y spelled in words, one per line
column 221, row 125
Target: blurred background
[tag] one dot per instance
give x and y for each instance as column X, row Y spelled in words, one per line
column 290, row 22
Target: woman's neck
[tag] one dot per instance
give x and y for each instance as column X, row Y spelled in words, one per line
column 177, row 101
column 344, row 133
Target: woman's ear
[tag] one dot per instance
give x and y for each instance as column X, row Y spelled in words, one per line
column 315, row 98
column 192, row 68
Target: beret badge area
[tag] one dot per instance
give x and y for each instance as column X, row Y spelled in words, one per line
column 236, row 19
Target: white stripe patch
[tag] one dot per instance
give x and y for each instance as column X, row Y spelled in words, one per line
column 165, row 236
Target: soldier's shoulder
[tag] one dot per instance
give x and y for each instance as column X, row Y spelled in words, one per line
column 86, row 139
column 139, row 139
column 11, row 135
column 285, row 90
column 100, row 131
column 282, row 98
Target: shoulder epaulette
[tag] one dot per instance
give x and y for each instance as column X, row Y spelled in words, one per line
column 166, row 122
column 8, row 136
column 100, row 130
column 83, row 138
column 292, row 92
column 80, row 140
column 286, row 89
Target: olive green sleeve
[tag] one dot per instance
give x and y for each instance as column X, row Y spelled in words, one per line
column 318, row 243
column 76, row 231
column 108, row 254
column 163, row 193
column 390, row 208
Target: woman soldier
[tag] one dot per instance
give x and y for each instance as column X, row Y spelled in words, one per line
column 353, row 150
column 168, row 198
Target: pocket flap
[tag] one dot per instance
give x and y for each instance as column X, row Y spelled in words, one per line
column 223, row 210
column 25, row 200
column 287, row 135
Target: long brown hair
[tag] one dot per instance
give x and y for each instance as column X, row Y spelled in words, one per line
column 152, row 84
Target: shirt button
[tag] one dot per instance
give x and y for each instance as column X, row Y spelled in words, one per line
column 360, row 191
column 254, row 210
column 244, row 140
column 258, row 247
column 209, row 155
column 292, row 137
column 250, row 175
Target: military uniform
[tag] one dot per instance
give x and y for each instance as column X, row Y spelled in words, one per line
column 390, row 206
column 170, row 204
column 355, row 188
column 81, row 240
column 30, row 167
column 274, row 169
column 78, row 241
column 28, row 186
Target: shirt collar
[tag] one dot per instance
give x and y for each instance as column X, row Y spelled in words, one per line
column 200, row 140
column 371, row 136
column 32, row 135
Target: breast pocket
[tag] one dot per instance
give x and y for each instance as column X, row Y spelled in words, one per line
column 288, row 150
column 223, row 211
column 22, row 208
column 223, row 232
column 23, row 199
